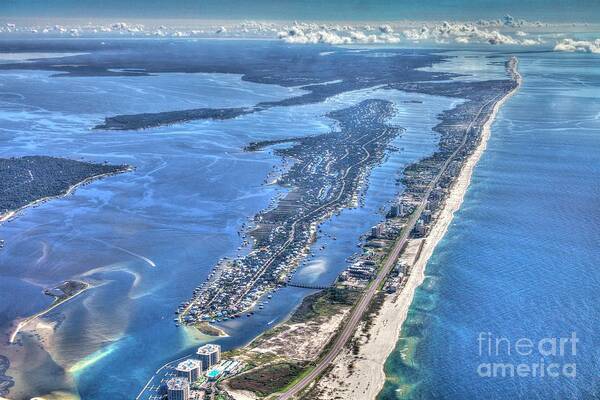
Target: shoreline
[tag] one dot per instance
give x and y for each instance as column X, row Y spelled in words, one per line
column 368, row 368
column 13, row 213
column 24, row 322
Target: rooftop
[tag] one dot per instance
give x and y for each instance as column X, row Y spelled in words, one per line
column 208, row 348
column 189, row 365
column 177, row 384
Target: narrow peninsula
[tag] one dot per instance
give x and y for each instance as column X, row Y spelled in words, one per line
column 324, row 177
column 343, row 335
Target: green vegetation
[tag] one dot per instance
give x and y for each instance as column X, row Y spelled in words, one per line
column 150, row 120
column 373, row 310
column 313, row 391
column 268, row 379
column 28, row 179
column 269, row 373
column 269, row 334
column 324, row 303
column 66, row 290
column 198, row 384
column 208, row 329
column 254, row 359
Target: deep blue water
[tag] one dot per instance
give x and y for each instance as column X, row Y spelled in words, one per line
column 191, row 191
column 520, row 260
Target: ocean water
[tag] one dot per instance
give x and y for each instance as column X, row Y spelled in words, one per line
column 520, row 260
column 148, row 237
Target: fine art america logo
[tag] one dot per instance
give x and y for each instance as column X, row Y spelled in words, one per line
column 547, row 357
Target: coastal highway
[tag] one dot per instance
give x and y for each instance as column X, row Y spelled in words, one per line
column 357, row 313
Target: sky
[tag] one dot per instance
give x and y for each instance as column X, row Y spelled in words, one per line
column 326, row 10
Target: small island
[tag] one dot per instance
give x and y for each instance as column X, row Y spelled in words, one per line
column 66, row 290
column 152, row 120
column 61, row 293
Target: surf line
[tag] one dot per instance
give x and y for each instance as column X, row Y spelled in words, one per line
column 131, row 253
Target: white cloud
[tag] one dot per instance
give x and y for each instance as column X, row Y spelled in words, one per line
column 573, row 45
column 479, row 32
column 504, row 31
column 417, row 34
column 531, row 42
column 334, row 34
column 386, row 29
column 387, row 38
column 298, row 36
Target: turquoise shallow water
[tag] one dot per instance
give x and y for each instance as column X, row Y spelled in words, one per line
column 520, row 258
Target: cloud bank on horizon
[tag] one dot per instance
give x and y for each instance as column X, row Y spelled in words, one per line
column 585, row 46
column 482, row 31
column 505, row 31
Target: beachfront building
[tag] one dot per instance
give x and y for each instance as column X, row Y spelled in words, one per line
column 213, row 374
column 360, row 271
column 189, row 369
column 420, row 229
column 178, row 389
column 377, row 231
column 426, row 216
column 397, row 210
column 209, row 355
